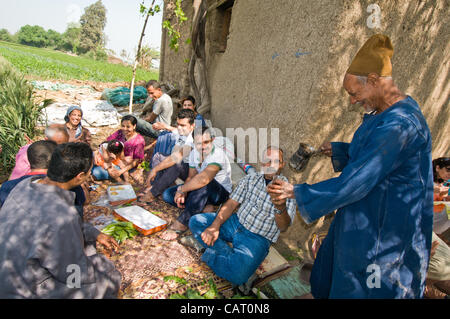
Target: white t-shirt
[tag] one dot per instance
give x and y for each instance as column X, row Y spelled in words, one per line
column 163, row 107
column 216, row 157
column 182, row 141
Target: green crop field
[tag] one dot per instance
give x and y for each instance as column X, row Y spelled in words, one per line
column 50, row 64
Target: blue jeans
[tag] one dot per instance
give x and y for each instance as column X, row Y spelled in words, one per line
column 165, row 143
column 235, row 264
column 167, row 177
column 100, row 173
column 196, row 200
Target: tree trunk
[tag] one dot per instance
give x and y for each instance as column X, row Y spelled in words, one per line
column 201, row 89
column 138, row 54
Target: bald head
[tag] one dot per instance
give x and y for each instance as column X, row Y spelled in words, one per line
column 57, row 133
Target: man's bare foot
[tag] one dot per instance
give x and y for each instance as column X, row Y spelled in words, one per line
column 145, row 191
column 209, row 209
column 174, row 231
column 148, row 197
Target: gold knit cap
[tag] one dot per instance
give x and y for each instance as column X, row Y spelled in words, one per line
column 373, row 57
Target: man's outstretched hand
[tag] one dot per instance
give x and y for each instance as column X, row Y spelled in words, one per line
column 108, row 241
column 280, row 190
column 325, row 148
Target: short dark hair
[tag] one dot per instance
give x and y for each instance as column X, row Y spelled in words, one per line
column 203, row 130
column 188, row 98
column 130, row 118
column 68, row 160
column 441, row 162
column 115, row 147
column 39, row 154
column 154, row 83
column 186, row 114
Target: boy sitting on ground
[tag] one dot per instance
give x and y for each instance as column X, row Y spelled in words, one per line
column 45, row 249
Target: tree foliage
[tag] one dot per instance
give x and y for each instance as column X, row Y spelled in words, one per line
column 35, row 36
column 173, row 30
column 5, row 35
column 93, row 22
column 70, row 39
column 146, row 56
column 53, row 38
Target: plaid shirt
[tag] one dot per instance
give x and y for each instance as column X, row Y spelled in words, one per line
column 257, row 212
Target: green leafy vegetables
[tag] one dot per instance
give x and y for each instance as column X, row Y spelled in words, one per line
column 121, row 231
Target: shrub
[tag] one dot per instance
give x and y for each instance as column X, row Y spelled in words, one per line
column 18, row 112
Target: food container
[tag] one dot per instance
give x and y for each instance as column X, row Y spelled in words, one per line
column 144, row 221
column 121, row 194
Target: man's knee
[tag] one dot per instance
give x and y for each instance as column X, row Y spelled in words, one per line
column 168, row 196
column 199, row 222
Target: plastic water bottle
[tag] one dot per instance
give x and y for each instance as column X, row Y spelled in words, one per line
column 247, row 168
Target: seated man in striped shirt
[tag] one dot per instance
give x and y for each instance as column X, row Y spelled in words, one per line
column 250, row 220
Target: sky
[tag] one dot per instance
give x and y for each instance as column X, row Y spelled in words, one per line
column 123, row 26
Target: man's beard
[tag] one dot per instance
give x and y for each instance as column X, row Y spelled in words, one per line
column 367, row 108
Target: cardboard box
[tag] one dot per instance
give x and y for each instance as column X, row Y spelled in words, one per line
column 121, row 194
column 273, row 263
column 144, row 221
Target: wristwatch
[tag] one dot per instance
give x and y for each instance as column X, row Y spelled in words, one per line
column 178, row 190
column 279, row 212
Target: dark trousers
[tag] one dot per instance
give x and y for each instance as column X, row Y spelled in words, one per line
column 168, row 176
column 196, row 200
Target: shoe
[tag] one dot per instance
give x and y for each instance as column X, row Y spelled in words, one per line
column 246, row 288
column 190, row 241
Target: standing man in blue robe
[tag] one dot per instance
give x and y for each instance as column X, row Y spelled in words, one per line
column 378, row 245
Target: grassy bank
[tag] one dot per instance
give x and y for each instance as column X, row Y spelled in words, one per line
column 50, row 64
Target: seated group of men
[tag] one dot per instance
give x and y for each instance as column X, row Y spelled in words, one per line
column 48, row 251
column 247, row 217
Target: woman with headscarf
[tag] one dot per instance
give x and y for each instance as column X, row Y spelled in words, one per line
column 77, row 133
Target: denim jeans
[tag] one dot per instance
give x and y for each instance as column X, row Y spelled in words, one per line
column 100, row 173
column 165, row 143
column 168, row 176
column 235, row 264
column 196, row 200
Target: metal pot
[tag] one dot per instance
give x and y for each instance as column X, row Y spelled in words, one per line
column 301, row 157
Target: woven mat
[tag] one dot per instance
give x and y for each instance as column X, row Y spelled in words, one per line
column 145, row 261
